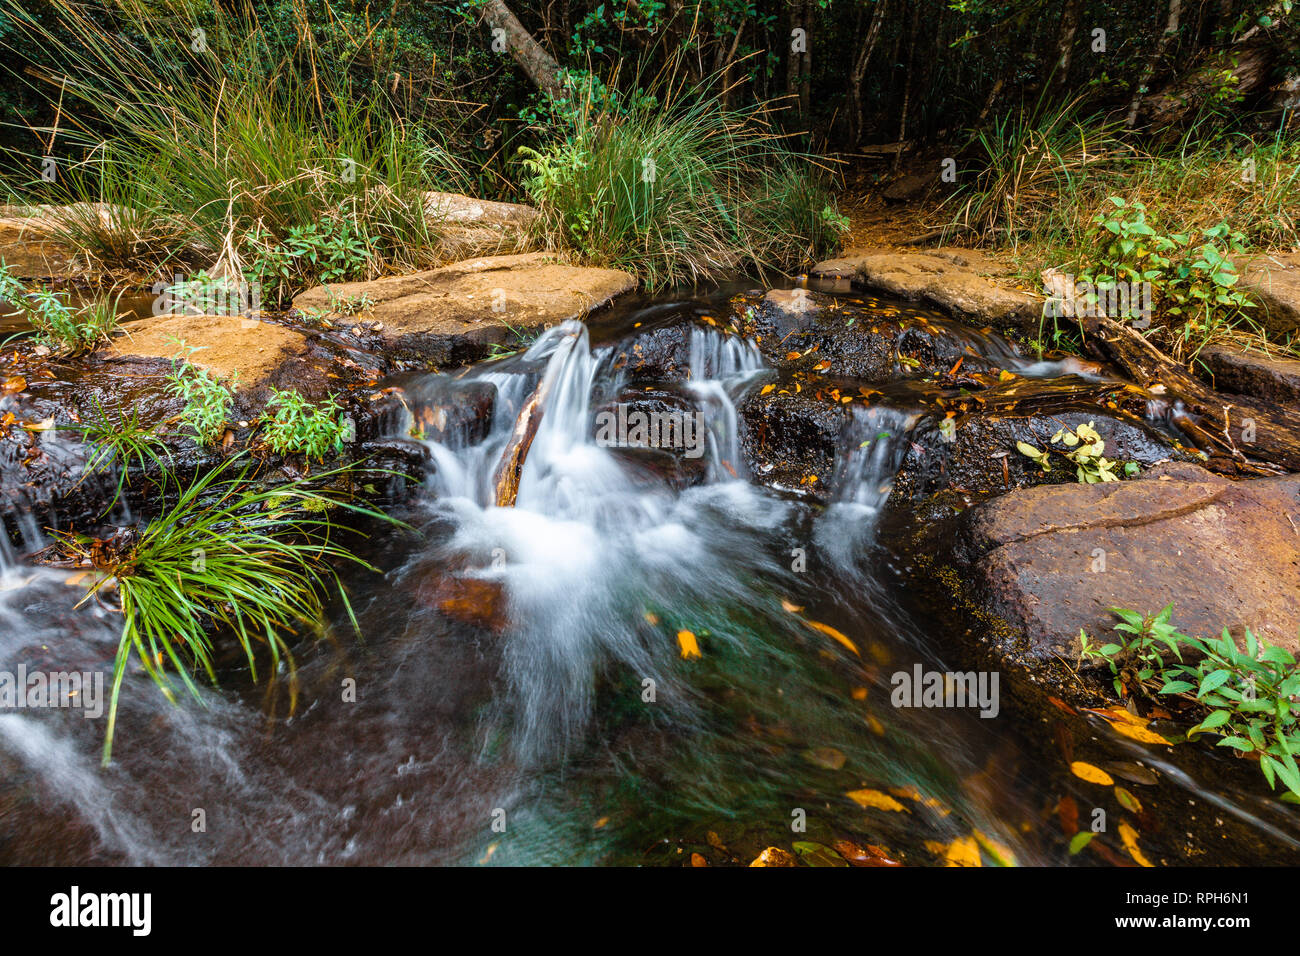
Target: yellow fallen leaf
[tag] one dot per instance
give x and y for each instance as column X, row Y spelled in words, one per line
column 689, row 646
column 963, row 851
column 1138, row 732
column 651, row 618
column 876, row 726
column 1000, row 852
column 775, row 856
column 1086, row 771
column 763, row 391
column 790, row 606
column 911, row 793
column 875, row 799
column 833, row 634
column 1128, row 836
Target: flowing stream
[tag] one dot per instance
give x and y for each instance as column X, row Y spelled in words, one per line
column 623, row 668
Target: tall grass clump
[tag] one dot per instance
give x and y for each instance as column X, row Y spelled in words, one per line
column 226, row 558
column 229, row 139
column 1027, row 171
column 671, row 184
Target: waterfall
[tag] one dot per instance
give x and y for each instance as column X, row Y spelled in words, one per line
column 873, row 447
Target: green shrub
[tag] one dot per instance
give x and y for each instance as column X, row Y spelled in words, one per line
column 1252, row 696
column 207, row 400
column 297, row 426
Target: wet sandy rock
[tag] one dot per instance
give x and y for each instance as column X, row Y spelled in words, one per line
column 457, row 313
column 961, row 282
column 246, row 350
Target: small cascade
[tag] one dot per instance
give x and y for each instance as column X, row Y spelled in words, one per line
column 721, row 367
column 873, row 447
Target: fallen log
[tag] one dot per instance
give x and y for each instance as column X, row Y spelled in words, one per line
column 1238, row 433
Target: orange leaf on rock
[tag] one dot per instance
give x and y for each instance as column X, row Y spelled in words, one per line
column 690, row 648
column 870, row 855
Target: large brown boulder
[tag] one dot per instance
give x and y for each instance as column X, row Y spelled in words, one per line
column 1054, row 559
column 458, row 312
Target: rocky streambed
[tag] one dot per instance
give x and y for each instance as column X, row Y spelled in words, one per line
column 858, row 462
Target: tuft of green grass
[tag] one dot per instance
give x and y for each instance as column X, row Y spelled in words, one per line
column 228, row 557
column 227, row 149
column 674, row 186
column 296, row 426
column 119, row 442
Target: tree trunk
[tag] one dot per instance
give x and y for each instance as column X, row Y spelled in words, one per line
column 860, row 70
column 1065, row 40
column 532, row 58
column 1153, row 63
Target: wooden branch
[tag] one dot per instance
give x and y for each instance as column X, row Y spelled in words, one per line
column 1216, row 423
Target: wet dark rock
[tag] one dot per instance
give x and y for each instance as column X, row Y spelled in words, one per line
column 1270, row 377
column 790, row 440
column 1052, row 560
column 799, row 329
column 676, row 458
column 979, row 457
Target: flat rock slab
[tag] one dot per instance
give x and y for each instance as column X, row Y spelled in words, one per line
column 228, row 346
column 458, row 312
column 958, row 281
column 1270, row 377
column 1052, row 560
column 1275, row 281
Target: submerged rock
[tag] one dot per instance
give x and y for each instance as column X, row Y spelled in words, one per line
column 458, row 313
column 1053, row 560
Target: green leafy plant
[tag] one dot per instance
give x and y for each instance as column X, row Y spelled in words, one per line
column 330, row 250
column 298, row 426
column 207, row 400
column 1192, row 278
column 227, row 557
column 1083, row 446
column 57, row 325
column 1252, row 696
